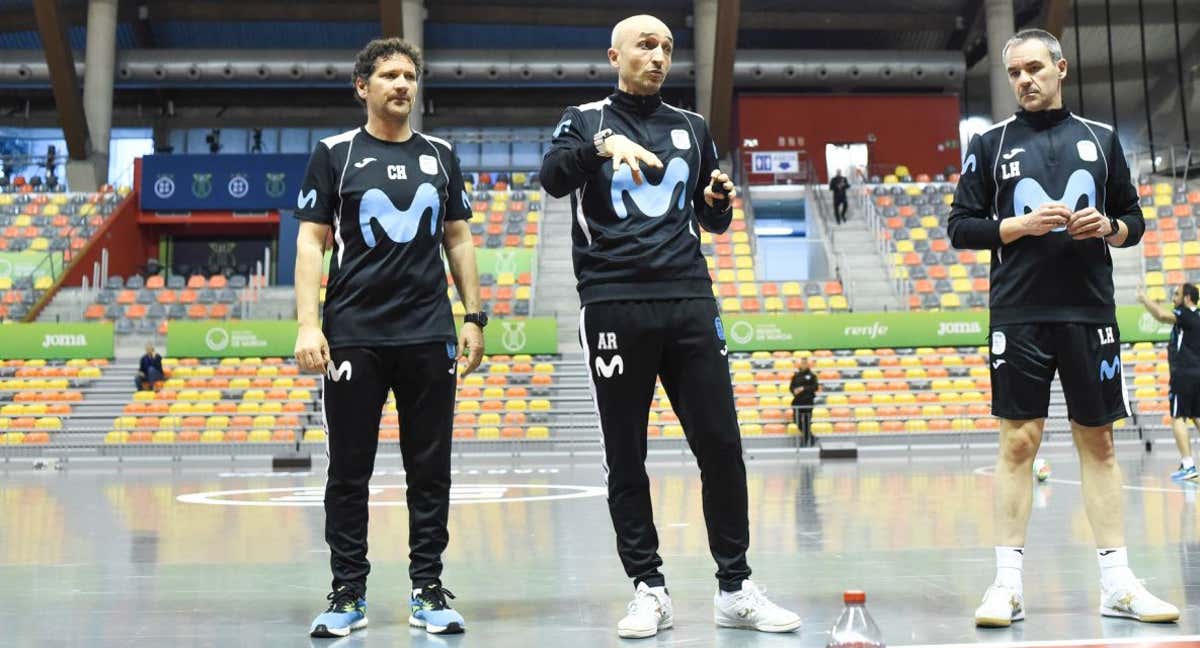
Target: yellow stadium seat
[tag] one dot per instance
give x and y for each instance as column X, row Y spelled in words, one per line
column 259, row 436
column 163, row 436
column 1172, row 249
column 838, row 303
column 272, row 407
column 116, row 436
column 821, row 428
column 951, row 300
column 817, row 303
column 143, row 396
column 1154, row 279
column 918, row 234
column 537, row 432
column 488, row 433
column 539, row 405
column 731, row 305
column 929, row 222
column 747, row 290
column 263, row 421
column 212, row 435
column 903, row 246
column 314, row 435
column 916, row 425
column 791, row 289
column 868, row 427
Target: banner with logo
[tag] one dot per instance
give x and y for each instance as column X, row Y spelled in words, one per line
column 1137, row 325
column 232, row 338
column 854, row 330
column 532, row 335
column 497, row 261
column 914, row 329
column 55, row 341
column 30, row 264
column 271, row 338
column 257, row 182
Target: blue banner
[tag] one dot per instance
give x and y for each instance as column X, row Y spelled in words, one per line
column 259, row 182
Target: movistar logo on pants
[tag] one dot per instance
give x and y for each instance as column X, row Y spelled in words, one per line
column 1109, row 371
column 399, row 225
column 337, row 372
column 653, row 200
column 607, row 369
column 1029, row 194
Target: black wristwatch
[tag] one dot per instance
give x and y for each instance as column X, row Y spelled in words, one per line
column 479, row 319
column 1115, row 223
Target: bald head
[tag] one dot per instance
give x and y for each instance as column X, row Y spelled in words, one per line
column 634, row 26
column 641, row 52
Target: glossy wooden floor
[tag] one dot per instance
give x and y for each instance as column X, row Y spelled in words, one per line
column 107, row 554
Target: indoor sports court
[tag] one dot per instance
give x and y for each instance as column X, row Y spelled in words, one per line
column 671, row 323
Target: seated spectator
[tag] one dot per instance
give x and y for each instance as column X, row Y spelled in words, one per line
column 150, row 370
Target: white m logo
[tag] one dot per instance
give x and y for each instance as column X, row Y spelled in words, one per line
column 335, row 373
column 306, row 200
column 607, row 369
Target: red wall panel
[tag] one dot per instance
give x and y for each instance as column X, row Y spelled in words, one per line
column 907, row 128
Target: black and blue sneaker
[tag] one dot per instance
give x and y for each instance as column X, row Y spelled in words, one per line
column 347, row 612
column 1185, row 474
column 430, row 610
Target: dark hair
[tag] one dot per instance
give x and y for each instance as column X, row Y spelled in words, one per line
column 1190, row 292
column 369, row 55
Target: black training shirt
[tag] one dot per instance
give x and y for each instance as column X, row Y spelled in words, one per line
column 636, row 241
column 1183, row 354
column 386, row 202
column 1018, row 165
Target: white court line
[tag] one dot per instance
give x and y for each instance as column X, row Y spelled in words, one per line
column 1146, row 641
column 989, row 470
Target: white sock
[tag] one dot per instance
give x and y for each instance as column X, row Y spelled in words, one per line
column 1114, row 568
column 1186, row 462
column 1009, row 565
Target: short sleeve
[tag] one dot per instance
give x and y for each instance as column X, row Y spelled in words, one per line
column 318, row 194
column 458, row 203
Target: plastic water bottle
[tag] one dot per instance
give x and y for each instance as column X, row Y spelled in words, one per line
column 855, row 628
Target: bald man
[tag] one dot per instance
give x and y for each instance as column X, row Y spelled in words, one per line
column 643, row 175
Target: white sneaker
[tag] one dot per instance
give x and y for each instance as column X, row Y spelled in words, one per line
column 1134, row 602
column 648, row 612
column 751, row 609
column 1001, row 606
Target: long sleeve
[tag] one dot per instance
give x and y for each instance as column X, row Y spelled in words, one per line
column 971, row 226
column 711, row 218
column 1121, row 196
column 572, row 157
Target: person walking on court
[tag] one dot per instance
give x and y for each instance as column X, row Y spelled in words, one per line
column 394, row 199
column 1048, row 192
column 804, row 387
column 1183, row 357
column 839, row 185
column 643, row 175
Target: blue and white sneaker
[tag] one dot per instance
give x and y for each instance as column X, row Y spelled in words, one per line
column 347, row 612
column 1183, row 474
column 430, row 610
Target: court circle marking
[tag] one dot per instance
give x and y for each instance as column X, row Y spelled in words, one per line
column 990, row 471
column 459, row 494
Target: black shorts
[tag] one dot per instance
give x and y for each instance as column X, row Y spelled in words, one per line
column 1087, row 357
column 1185, row 396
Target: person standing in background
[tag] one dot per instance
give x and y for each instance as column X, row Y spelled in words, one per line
column 839, row 185
column 804, row 389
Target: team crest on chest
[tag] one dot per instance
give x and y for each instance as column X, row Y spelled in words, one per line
column 680, row 139
column 428, row 164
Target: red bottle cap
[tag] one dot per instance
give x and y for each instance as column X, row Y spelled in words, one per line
column 854, row 596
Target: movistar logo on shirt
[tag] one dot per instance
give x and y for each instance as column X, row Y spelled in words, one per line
column 653, row 200
column 399, row 225
column 1029, row 194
